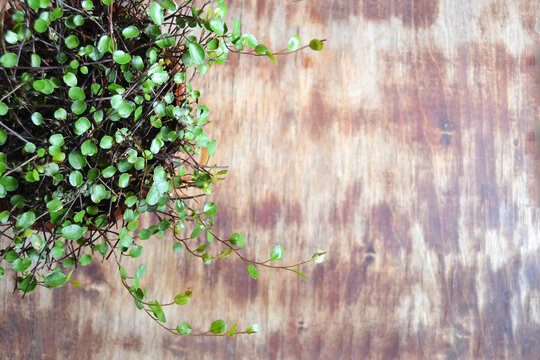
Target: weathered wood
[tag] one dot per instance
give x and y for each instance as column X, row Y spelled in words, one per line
column 404, row 149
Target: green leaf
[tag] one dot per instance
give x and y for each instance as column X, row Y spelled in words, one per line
column 76, row 160
column 35, row 60
column 138, row 304
column 236, row 27
column 153, row 195
column 89, row 148
column 3, row 137
column 72, row 42
column 9, row 183
column 11, row 256
column 18, row 16
column 98, row 116
column 85, row 259
column 73, row 232
column 4, row 216
column 238, row 239
column 28, row 284
column 319, row 256
column 141, row 270
column 106, row 142
column 130, row 31
column 252, row 329
column 316, row 45
column 137, row 62
column 57, row 252
column 212, row 147
column 41, row 25
column 82, row 125
column 218, row 327
column 197, row 53
column 169, row 5
column 125, row 109
column 121, row 57
column 252, row 270
column 294, row 43
column 9, row 59
column 225, row 253
column 177, row 247
column 232, row 330
column 78, row 107
column 261, row 49
column 79, row 216
column 3, row 109
column 301, row 274
column 109, row 171
column 183, row 298
column 183, row 329
column 54, row 205
column 104, row 44
column 21, row 264
column 29, row 148
column 156, row 13
column 123, row 274
column 69, row 262
column 210, row 208
column 44, row 86
column 75, row 179
column 116, row 101
column 218, row 26
column 60, row 114
column 56, row 140
column 76, row 93
column 157, row 310
column 87, row 5
column 276, row 253
column 11, row 37
column 272, row 57
column 93, row 173
column 212, row 44
column 222, row 9
column 54, row 279
column 98, row 193
column 124, row 180
column 37, row 241
column 166, row 41
column 26, row 220
column 136, row 251
column 201, row 248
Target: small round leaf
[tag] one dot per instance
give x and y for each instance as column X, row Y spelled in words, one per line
column 121, row 57
column 316, row 45
column 72, row 42
column 73, row 232
column 82, row 125
column 130, row 31
column 294, row 43
column 252, row 270
column 26, row 220
column 276, row 253
column 218, row 327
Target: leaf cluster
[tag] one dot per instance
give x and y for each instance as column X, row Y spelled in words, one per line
column 99, row 123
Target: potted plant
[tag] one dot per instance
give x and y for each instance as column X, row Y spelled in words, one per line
column 99, row 124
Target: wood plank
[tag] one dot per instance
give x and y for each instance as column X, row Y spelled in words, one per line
column 404, row 149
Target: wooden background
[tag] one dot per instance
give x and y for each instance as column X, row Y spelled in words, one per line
column 405, row 149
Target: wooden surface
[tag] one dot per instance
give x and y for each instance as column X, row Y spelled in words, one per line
column 405, row 149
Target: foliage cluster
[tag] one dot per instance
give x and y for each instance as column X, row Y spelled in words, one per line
column 99, row 124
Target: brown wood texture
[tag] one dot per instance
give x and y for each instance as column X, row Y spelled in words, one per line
column 405, row 149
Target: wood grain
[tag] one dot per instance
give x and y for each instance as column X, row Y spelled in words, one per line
column 404, row 149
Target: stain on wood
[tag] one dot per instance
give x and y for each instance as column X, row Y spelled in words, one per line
column 406, row 149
